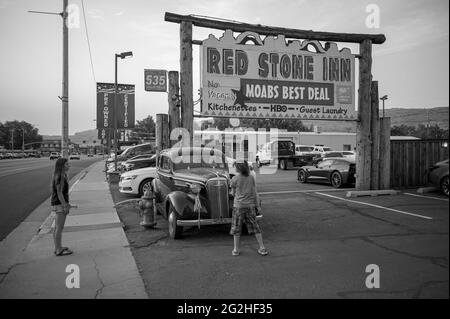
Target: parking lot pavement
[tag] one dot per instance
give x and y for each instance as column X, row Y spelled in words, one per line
column 319, row 247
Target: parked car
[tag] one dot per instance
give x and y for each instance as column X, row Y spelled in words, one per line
column 132, row 151
column 281, row 152
column 137, row 163
column 90, row 155
column 338, row 171
column 349, row 154
column 2, row 156
column 320, row 150
column 327, row 155
column 304, row 149
column 193, row 189
column 74, row 156
column 438, row 176
column 55, row 155
column 136, row 182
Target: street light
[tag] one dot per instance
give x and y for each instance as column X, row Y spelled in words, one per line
column 383, row 98
column 23, row 139
column 122, row 55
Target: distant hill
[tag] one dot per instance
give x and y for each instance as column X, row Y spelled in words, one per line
column 414, row 117
column 88, row 136
column 399, row 116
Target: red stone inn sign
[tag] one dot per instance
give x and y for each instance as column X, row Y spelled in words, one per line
column 276, row 78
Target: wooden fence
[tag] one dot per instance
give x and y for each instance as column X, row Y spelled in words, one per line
column 411, row 159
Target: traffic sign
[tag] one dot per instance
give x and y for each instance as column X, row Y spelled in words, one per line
column 155, row 80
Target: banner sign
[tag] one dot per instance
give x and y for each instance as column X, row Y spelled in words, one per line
column 125, row 106
column 105, row 134
column 276, row 79
column 155, row 80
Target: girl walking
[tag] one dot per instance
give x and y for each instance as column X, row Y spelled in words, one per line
column 246, row 206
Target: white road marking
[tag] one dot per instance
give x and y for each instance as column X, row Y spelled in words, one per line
column 377, row 206
column 305, row 191
column 430, row 197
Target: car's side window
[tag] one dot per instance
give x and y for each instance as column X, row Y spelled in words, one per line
column 324, row 163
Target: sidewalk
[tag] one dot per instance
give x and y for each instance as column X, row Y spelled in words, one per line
column 101, row 251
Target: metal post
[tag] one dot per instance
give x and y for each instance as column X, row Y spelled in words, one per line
column 65, row 85
column 115, row 115
column 23, row 140
column 12, row 139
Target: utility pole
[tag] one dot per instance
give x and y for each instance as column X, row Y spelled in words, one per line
column 65, row 85
column 65, row 80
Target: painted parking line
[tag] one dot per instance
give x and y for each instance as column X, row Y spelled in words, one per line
column 305, row 191
column 376, row 206
column 429, row 197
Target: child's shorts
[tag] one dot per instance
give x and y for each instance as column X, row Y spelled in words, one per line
column 245, row 215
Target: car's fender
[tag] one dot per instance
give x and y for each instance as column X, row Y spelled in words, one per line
column 181, row 202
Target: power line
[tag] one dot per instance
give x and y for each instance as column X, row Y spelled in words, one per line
column 87, row 38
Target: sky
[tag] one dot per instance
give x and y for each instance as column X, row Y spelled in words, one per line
column 412, row 66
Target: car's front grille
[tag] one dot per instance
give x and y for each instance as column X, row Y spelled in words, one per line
column 217, row 192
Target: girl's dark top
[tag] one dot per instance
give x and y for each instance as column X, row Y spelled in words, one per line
column 65, row 191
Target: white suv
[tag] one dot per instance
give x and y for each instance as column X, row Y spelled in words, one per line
column 321, row 150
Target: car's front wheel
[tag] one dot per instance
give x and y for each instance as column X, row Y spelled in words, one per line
column 302, row 176
column 283, row 165
column 145, row 185
column 336, row 179
column 175, row 231
column 444, row 185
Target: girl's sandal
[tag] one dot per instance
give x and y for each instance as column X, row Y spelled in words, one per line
column 64, row 252
column 262, row 251
column 235, row 253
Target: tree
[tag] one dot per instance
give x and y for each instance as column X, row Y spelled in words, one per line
column 421, row 131
column 144, row 128
column 289, row 125
column 20, row 132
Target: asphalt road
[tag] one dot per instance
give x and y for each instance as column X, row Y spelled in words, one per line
column 319, row 244
column 25, row 184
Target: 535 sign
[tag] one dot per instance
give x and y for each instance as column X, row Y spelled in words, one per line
column 155, row 80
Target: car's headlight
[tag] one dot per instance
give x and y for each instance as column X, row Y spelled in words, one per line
column 129, row 178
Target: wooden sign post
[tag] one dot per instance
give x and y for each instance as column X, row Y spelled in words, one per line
column 365, row 131
column 187, row 101
column 174, row 107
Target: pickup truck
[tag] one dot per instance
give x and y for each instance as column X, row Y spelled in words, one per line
column 281, row 153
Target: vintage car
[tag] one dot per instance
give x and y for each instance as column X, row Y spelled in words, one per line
column 191, row 188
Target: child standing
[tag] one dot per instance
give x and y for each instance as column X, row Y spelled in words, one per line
column 246, row 206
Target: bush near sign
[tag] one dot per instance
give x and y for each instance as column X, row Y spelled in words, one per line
column 155, row 80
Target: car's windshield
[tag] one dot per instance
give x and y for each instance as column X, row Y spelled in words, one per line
column 327, row 149
column 305, row 148
column 197, row 161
